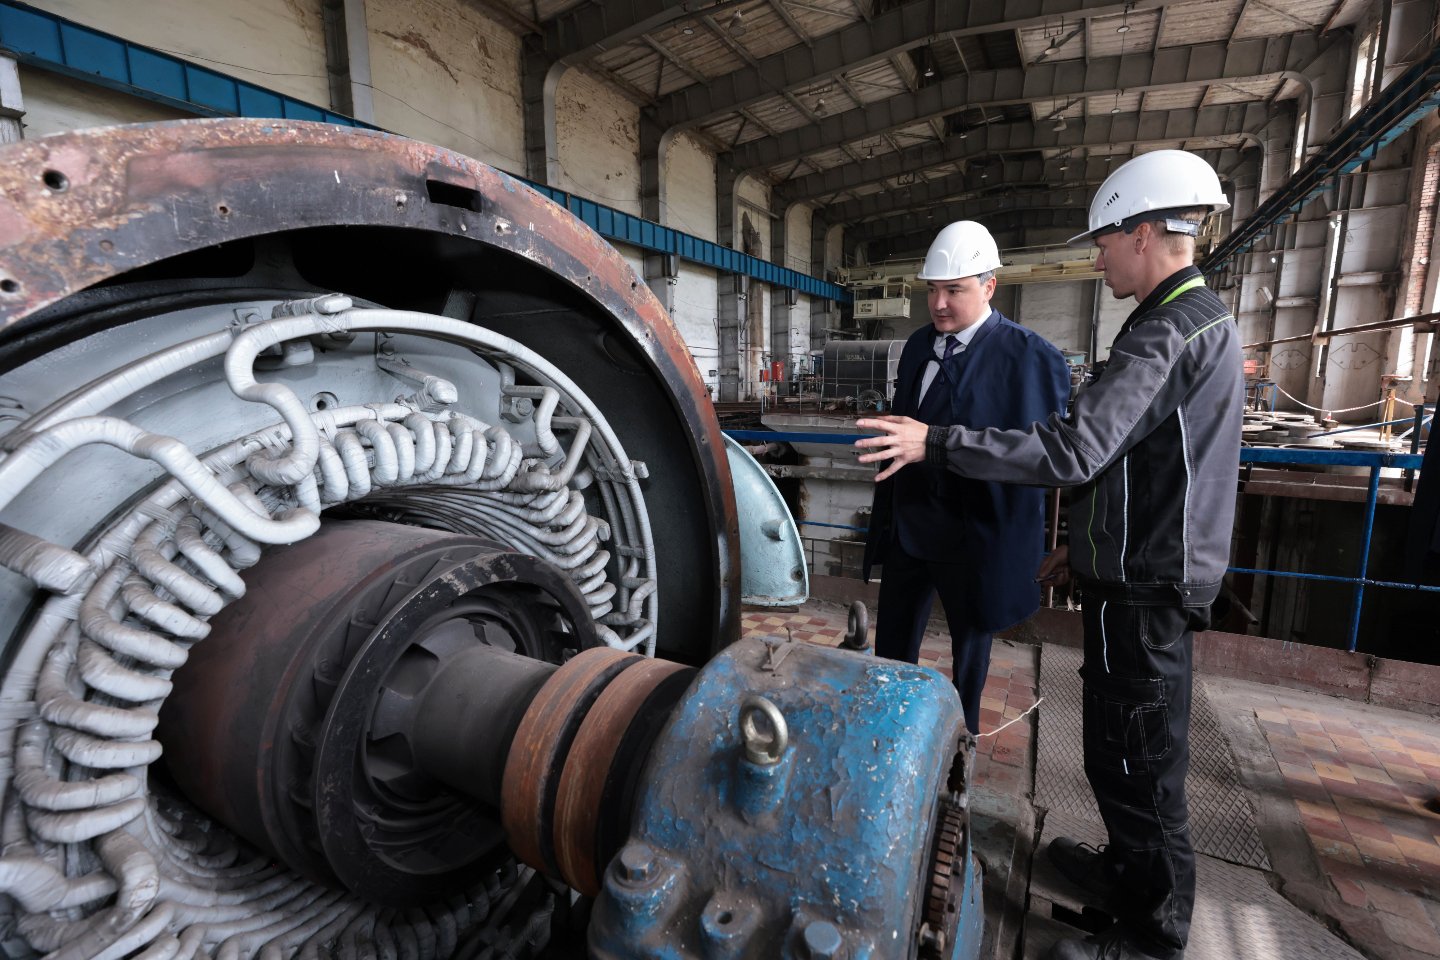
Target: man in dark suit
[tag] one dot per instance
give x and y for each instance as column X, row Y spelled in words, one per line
column 976, row 544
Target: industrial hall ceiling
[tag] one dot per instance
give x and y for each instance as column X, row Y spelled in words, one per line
column 889, row 115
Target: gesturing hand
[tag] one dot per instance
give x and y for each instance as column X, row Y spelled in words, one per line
column 902, row 441
column 1055, row 569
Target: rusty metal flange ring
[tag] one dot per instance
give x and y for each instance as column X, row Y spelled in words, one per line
column 542, row 742
column 590, row 767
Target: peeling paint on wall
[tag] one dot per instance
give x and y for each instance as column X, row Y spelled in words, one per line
column 447, row 74
column 413, row 40
column 304, row 14
column 599, row 141
column 690, row 187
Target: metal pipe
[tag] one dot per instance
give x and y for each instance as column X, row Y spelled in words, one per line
column 1370, row 499
column 1368, row 426
column 1332, row 578
column 1422, row 320
column 837, row 526
column 1329, row 289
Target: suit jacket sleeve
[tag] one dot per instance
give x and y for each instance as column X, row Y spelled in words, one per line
column 1111, row 415
column 882, row 512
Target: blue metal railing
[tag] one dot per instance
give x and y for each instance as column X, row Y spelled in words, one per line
column 41, row 39
column 1248, row 455
column 834, row 526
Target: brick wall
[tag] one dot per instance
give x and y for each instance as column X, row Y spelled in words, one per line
column 1424, row 229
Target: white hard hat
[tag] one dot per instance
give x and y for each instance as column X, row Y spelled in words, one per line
column 961, row 249
column 1159, row 180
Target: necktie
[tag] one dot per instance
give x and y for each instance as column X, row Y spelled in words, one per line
column 952, row 343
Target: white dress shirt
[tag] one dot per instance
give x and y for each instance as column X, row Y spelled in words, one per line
column 963, row 336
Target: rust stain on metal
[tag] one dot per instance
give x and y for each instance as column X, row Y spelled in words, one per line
column 592, row 754
column 134, row 196
column 537, row 754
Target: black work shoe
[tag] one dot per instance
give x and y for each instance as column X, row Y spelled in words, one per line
column 1083, row 865
column 1111, row 945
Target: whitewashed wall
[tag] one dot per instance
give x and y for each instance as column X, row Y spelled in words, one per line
column 1113, row 314
column 446, row 74
column 695, row 316
column 278, row 44
column 1059, row 311
column 690, row 187
column 55, row 104
column 691, row 206
column 834, row 501
column 598, row 134
column 753, row 198
column 797, row 257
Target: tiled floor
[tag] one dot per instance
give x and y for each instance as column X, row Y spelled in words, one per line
column 1363, row 783
column 1003, row 756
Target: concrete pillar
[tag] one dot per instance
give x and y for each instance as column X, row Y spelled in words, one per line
column 539, row 79
column 12, row 105
column 732, row 287
column 347, row 58
column 780, row 297
column 819, row 306
column 661, row 270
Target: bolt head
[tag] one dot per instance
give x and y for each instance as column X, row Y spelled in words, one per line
column 822, row 940
column 635, row 863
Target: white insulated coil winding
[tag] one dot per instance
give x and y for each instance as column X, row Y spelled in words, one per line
column 77, row 824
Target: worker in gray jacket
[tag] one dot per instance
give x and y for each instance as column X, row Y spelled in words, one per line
column 1151, row 446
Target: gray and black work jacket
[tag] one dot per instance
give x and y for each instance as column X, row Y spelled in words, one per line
column 1152, row 445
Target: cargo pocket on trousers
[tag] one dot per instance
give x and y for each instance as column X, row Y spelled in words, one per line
column 1127, row 722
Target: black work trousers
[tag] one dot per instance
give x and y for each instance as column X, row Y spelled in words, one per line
column 908, row 586
column 1137, row 677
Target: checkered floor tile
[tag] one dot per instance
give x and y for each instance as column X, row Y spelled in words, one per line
column 1003, row 756
column 1364, row 786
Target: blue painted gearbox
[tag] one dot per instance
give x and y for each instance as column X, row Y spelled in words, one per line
column 791, row 807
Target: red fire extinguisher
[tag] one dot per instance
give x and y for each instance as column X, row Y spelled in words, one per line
column 777, row 370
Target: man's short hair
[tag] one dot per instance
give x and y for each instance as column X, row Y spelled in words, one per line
column 1181, row 243
column 987, row 275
